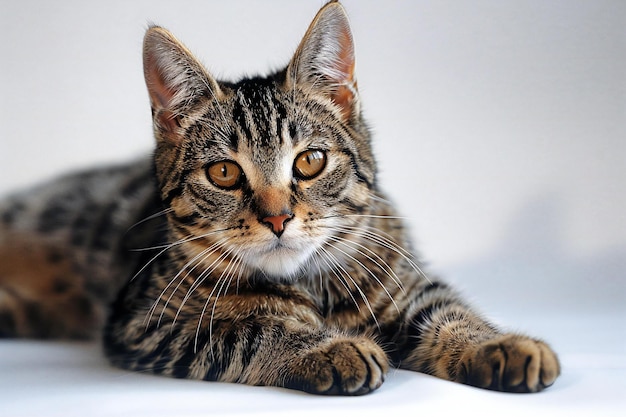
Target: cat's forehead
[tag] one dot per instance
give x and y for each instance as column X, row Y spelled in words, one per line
column 259, row 113
column 264, row 116
column 262, row 125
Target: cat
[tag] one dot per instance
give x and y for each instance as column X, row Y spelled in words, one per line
column 255, row 246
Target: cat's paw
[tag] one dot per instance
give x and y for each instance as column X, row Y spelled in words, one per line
column 346, row 366
column 511, row 363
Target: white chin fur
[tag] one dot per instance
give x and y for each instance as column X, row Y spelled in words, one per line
column 283, row 263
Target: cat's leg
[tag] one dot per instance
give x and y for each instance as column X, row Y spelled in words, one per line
column 442, row 336
column 267, row 351
column 235, row 330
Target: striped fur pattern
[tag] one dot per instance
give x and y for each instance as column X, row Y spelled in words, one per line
column 256, row 247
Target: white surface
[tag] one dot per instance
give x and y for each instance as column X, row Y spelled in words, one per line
column 500, row 129
column 73, row 379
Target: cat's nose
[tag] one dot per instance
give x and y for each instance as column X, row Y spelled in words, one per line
column 277, row 223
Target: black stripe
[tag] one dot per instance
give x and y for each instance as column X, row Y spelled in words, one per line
column 189, row 220
column 251, row 342
column 171, row 195
column 415, row 330
column 239, row 116
column 355, row 166
column 432, row 286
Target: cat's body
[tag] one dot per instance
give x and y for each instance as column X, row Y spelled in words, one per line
column 256, row 247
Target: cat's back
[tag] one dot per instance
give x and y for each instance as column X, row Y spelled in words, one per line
column 66, row 205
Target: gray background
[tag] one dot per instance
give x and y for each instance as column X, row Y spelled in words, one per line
column 499, row 125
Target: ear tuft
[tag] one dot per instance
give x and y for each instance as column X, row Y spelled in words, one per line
column 325, row 60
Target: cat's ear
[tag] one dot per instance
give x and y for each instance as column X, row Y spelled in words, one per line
column 324, row 62
column 175, row 81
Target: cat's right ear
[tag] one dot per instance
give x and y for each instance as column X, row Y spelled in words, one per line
column 175, row 81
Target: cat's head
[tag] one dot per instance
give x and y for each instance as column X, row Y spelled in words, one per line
column 265, row 172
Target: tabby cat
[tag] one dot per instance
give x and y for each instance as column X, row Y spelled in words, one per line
column 254, row 247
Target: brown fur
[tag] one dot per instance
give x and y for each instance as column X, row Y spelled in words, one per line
column 32, row 271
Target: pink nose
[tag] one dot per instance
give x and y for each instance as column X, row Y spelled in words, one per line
column 277, row 223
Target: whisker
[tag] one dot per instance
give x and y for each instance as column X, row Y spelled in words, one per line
column 380, row 199
column 190, row 238
column 226, row 273
column 204, row 255
column 374, row 216
column 153, row 216
column 167, row 247
column 369, row 272
column 325, row 256
column 359, row 290
column 382, row 241
column 379, row 234
column 384, row 267
column 200, row 280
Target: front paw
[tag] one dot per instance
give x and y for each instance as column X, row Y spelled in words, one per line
column 511, row 363
column 350, row 366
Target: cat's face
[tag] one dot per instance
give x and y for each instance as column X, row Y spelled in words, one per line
column 265, row 173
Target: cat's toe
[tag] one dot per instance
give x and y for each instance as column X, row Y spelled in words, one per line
column 511, row 363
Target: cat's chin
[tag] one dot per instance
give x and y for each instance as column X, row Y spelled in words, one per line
column 281, row 263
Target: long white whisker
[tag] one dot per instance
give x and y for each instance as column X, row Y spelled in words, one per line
column 152, row 216
column 379, row 199
column 165, row 248
column 200, row 280
column 386, row 243
column 225, row 274
column 369, row 272
column 384, row 267
column 152, row 309
column 376, row 235
column 190, row 238
column 374, row 216
column 325, row 256
column 206, row 253
column 361, row 293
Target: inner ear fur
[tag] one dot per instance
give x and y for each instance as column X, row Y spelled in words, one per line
column 175, row 80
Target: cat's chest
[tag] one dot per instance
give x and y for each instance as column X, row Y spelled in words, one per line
column 336, row 307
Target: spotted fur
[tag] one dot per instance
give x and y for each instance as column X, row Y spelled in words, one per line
column 265, row 276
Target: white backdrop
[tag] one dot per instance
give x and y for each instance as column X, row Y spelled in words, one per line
column 500, row 126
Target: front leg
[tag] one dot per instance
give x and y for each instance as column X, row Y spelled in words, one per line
column 444, row 337
column 253, row 349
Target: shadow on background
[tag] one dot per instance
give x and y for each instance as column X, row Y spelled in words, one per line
column 531, row 271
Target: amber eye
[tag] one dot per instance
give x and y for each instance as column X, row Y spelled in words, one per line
column 225, row 174
column 309, row 164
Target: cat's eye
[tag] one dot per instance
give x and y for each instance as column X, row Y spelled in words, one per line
column 225, row 174
column 309, row 164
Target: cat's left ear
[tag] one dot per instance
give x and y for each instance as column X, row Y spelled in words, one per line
column 175, row 80
column 324, row 62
